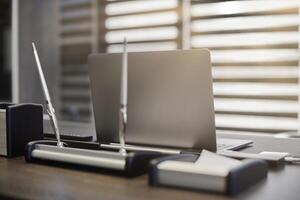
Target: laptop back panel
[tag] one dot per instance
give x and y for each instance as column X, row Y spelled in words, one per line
column 170, row 100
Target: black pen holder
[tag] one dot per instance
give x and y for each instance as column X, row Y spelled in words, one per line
column 19, row 124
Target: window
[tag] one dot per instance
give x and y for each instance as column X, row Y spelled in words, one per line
column 147, row 25
column 255, row 57
column 254, row 47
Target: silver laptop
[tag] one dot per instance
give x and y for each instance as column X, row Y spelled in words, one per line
column 170, row 99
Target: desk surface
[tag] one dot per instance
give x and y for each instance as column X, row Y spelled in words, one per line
column 35, row 181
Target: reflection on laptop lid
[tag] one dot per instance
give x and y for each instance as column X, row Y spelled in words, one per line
column 170, row 99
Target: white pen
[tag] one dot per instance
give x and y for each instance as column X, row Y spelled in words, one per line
column 123, row 99
column 50, row 109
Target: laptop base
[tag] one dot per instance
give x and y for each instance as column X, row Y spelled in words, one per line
column 132, row 164
column 222, row 144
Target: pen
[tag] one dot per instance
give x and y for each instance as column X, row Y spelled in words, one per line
column 123, row 99
column 49, row 106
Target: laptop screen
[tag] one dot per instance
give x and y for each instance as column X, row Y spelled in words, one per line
column 170, row 100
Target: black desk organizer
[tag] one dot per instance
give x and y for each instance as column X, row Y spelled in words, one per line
column 24, row 123
column 90, row 155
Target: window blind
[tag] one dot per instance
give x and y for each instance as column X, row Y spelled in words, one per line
column 99, row 26
column 76, row 39
column 255, row 57
column 254, row 47
column 148, row 25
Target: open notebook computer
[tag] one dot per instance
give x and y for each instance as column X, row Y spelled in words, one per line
column 170, row 100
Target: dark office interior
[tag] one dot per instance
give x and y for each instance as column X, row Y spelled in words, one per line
column 5, row 67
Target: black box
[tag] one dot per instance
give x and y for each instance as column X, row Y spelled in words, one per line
column 19, row 124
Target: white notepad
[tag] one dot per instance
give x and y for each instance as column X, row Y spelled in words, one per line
column 216, row 162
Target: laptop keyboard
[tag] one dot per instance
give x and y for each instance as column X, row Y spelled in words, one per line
column 222, row 146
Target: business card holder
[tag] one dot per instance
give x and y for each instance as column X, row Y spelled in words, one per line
column 180, row 171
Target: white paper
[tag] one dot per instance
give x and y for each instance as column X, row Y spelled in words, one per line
column 215, row 161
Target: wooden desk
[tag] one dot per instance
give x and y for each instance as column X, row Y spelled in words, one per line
column 33, row 181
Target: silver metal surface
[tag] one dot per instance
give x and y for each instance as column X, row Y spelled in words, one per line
column 50, row 108
column 104, row 159
column 170, row 98
column 3, row 133
column 140, row 148
column 122, row 129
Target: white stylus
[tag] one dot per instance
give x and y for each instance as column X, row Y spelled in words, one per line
column 123, row 99
column 50, row 109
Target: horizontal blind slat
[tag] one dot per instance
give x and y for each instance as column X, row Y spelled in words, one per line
column 129, row 7
column 240, row 7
